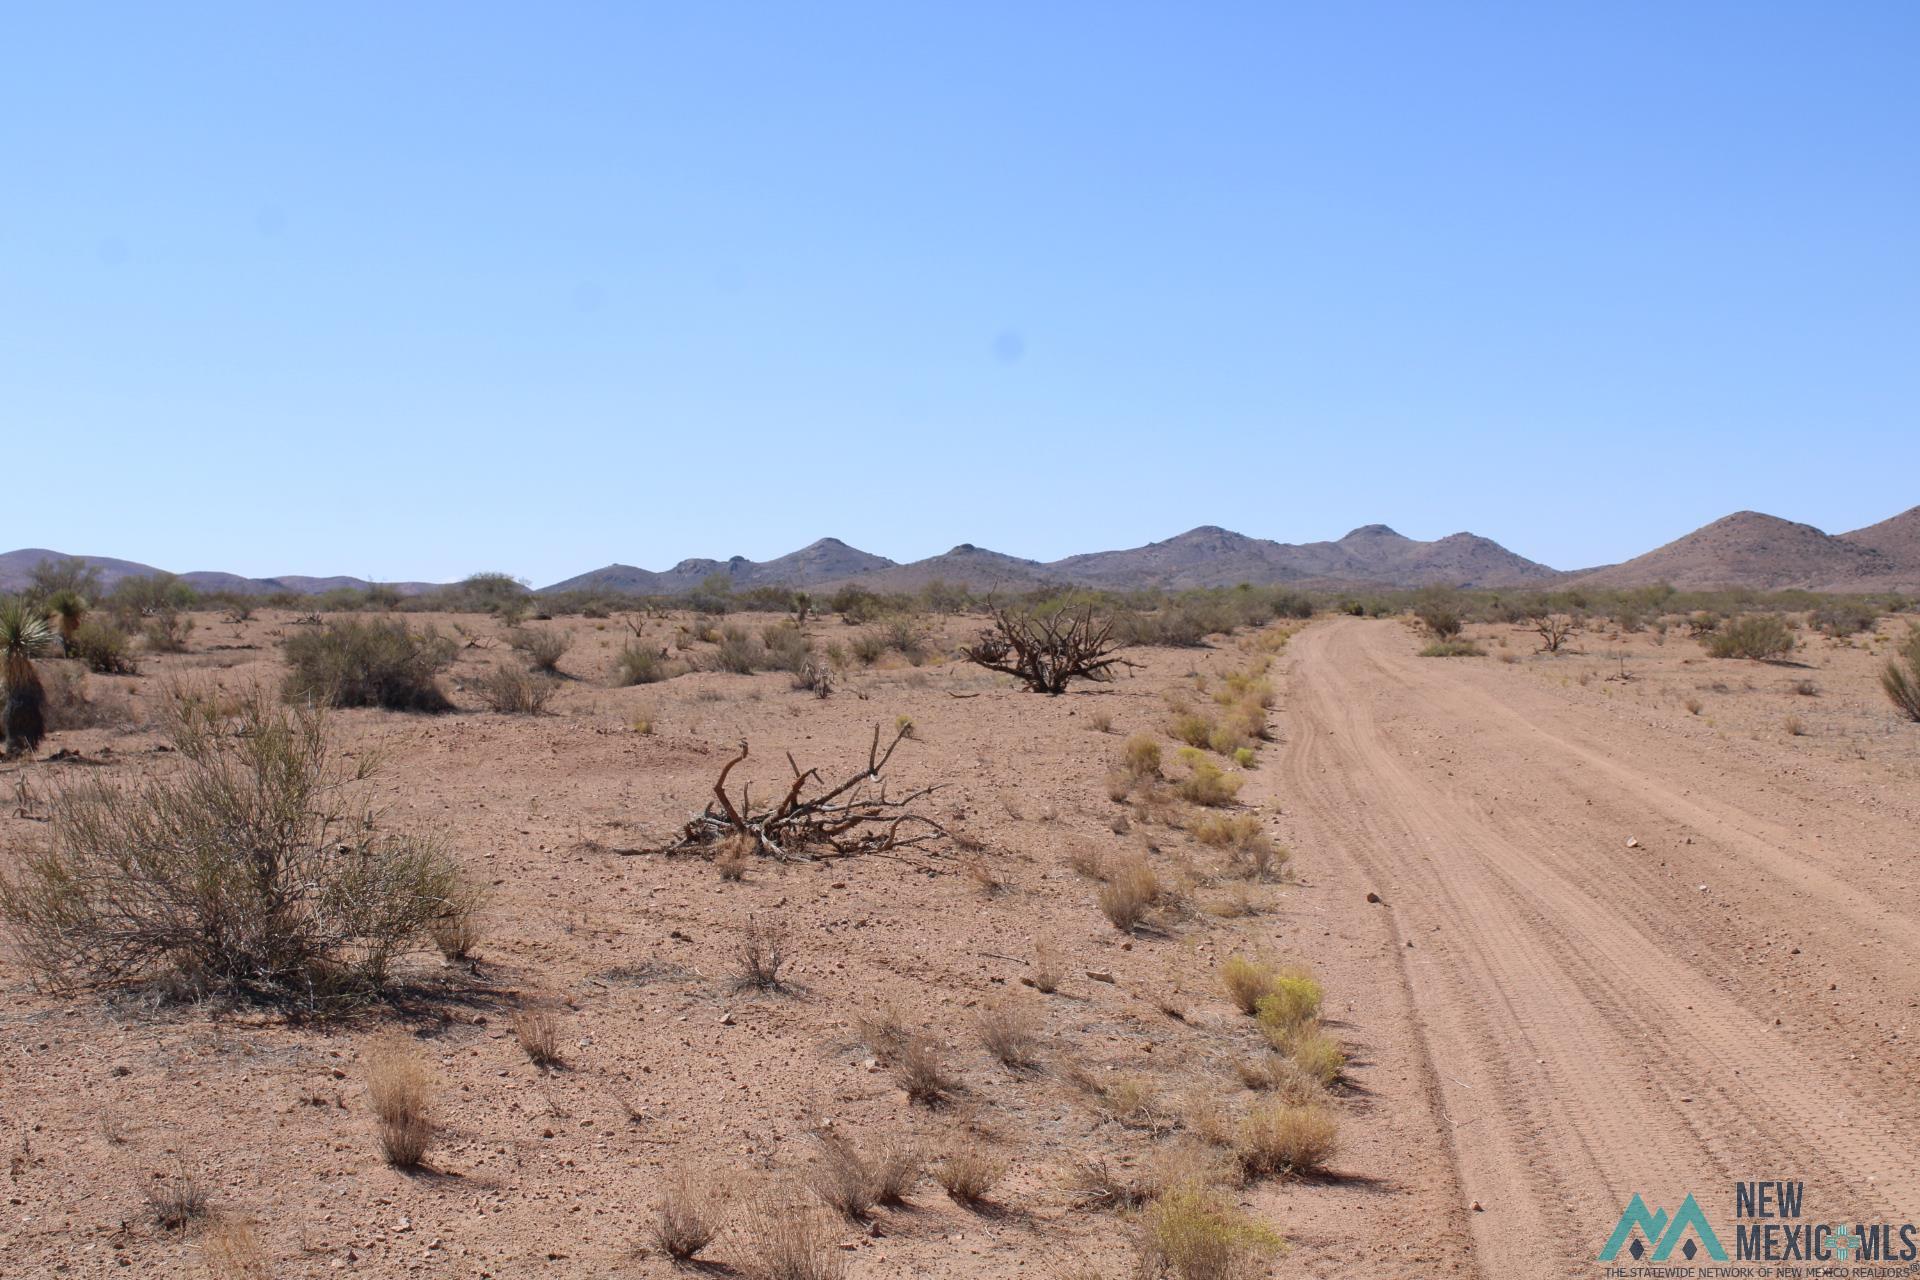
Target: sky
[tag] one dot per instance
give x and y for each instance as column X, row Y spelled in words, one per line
column 410, row 291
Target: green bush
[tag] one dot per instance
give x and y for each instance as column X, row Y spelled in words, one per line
column 103, row 647
column 642, row 664
column 251, row 870
column 1844, row 618
column 369, row 663
column 1751, row 635
column 542, row 649
column 515, row 690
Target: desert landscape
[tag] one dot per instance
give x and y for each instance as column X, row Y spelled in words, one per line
column 1404, row 934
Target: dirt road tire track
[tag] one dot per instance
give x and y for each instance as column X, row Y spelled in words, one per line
column 1585, row 1041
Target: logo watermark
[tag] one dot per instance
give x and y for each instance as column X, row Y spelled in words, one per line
column 1770, row 1236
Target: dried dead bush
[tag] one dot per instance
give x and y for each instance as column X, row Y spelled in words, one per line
column 885, row 1034
column 1048, row 650
column 1095, row 1184
column 688, row 1219
column 1046, row 969
column 842, row 1178
column 1280, row 1075
column 787, row 1241
column 1278, row 1138
column 457, row 930
column 643, row 664
column 1554, row 630
column 761, row 954
column 253, row 868
column 1085, row 858
column 1011, row 1033
column 732, row 858
column 989, row 879
column 538, row 1032
column 897, row 1167
column 1193, row 1233
column 968, row 1175
column 400, row 1087
column 177, row 1200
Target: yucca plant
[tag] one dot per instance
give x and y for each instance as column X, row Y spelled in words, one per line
column 1901, row 679
column 24, row 636
column 67, row 609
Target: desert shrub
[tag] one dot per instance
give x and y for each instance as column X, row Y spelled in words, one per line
column 167, row 632
column 251, row 869
column 1292, row 999
column 73, row 703
column 814, row 677
column 1279, row 1138
column 515, row 690
column 642, row 664
column 1192, row 1233
column 102, row 647
column 1048, row 649
column 688, row 1219
column 1191, row 728
column 917, row 1067
column 1844, row 618
column 400, row 1087
column 905, row 638
column 457, row 930
column 785, row 1241
column 968, row 1175
column 1280, row 1075
column 1010, row 1032
column 231, row 1250
column 369, row 663
column 1441, row 619
column 737, row 652
column 843, row 1179
column 1207, row 784
column 1142, row 757
column 538, row 1032
column 1901, row 677
column 1046, row 969
column 1752, row 635
column 787, row 647
column 542, row 649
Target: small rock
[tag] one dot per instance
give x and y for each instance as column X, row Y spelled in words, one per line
column 726, row 1019
column 1100, row 975
column 1373, row 897
column 1632, row 843
column 1478, row 1207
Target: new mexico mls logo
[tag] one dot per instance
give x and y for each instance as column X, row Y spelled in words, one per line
column 1662, row 1233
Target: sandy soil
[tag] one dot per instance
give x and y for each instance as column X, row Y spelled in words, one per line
column 1542, row 1018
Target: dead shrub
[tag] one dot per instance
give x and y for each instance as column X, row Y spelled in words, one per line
column 688, row 1219
column 920, row 1071
column 400, row 1088
column 1085, row 858
column 254, row 868
column 843, row 1179
column 457, row 930
column 1094, row 1184
column 177, row 1200
column 1046, row 969
column 884, row 1033
column 1192, row 1233
column 1279, row 1075
column 231, row 1250
column 761, row 954
column 1047, row 650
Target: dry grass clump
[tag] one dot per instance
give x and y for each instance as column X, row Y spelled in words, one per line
column 457, row 930
column 538, row 1032
column 786, row 1241
column 1095, row 1184
column 375, row 663
column 1011, row 1033
column 1280, row 1075
column 643, row 664
column 513, row 690
column 852, row 1184
column 1453, row 647
column 688, row 1219
column 1129, row 893
column 1251, row 854
column 1317, row 1056
column 1292, row 1001
column 1046, row 969
column 1084, row 858
column 920, row 1071
column 732, row 857
column 896, row 1168
column 400, row 1087
column 176, row 1201
column 1246, row 981
column 1207, row 783
column 1194, row 1233
column 1278, row 1138
column 885, row 1034
column 1141, row 757
column 761, row 954
column 230, row 1250
column 1757, row 636
column 968, row 1175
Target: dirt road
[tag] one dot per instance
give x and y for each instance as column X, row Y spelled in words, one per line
column 1729, row 996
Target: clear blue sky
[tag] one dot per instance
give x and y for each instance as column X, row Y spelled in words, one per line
column 414, row 289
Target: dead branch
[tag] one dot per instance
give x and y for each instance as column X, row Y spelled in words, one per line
column 852, row 818
column 1554, row 630
column 1046, row 651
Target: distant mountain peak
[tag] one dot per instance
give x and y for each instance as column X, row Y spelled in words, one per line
column 1372, row 531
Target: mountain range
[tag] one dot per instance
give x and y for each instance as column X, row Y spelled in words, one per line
column 1746, row 549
